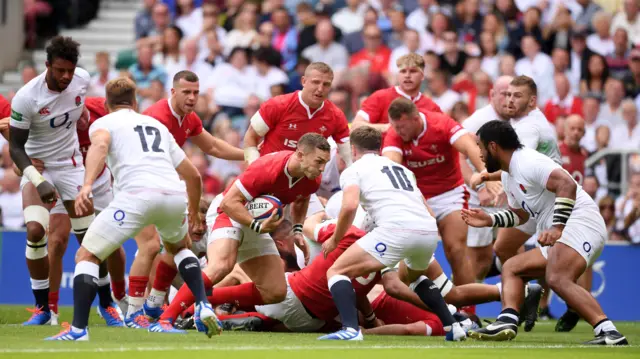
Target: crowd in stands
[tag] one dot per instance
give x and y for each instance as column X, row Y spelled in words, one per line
column 581, row 53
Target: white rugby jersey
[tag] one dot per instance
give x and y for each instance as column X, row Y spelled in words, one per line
column 51, row 119
column 389, row 193
column 535, row 132
column 143, row 155
column 526, row 186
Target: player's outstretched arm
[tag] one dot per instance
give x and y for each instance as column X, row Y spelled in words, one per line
column 217, row 148
column 360, row 121
column 311, row 223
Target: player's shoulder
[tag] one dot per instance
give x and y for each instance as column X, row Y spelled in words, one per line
column 82, row 75
column 284, row 100
column 29, row 93
column 96, row 105
column 272, row 161
column 159, row 107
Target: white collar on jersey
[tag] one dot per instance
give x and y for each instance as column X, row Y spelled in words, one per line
column 307, row 107
column 424, row 130
column 404, row 94
column 289, row 176
column 174, row 113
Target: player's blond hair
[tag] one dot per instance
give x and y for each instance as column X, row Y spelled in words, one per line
column 402, row 106
column 121, row 92
column 410, row 60
column 320, row 67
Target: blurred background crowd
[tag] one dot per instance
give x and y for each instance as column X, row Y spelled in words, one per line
column 582, row 54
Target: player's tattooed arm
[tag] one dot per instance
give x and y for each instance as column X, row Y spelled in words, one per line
column 17, row 139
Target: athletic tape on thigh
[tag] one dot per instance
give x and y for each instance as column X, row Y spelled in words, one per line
column 413, row 285
column 80, row 225
column 36, row 250
column 444, row 284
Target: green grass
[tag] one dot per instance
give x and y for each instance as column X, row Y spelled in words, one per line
column 26, row 342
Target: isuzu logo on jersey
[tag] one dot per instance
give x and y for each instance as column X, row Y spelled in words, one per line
column 429, row 162
column 290, row 143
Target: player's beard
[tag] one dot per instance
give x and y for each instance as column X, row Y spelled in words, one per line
column 492, row 163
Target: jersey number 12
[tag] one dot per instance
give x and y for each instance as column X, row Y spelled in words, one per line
column 155, row 147
column 397, row 176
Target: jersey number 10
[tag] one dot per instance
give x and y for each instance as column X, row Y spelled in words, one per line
column 397, row 176
column 155, row 147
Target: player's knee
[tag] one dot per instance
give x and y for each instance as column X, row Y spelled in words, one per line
column 84, row 255
column 81, row 225
column 275, row 294
column 57, row 244
column 218, row 268
column 555, row 280
column 148, row 248
column 510, row 267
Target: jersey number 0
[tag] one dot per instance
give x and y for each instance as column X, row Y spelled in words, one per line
column 155, row 147
column 397, row 176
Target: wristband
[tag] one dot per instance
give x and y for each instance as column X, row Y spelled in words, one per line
column 297, row 228
column 505, row 219
column 562, row 210
column 371, row 317
column 256, row 226
column 33, row 175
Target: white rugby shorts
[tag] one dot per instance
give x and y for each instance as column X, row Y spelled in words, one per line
column 453, row 200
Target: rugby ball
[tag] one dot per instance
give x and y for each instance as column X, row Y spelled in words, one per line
column 262, row 207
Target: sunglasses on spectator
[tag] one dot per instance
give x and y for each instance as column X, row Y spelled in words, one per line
column 373, row 36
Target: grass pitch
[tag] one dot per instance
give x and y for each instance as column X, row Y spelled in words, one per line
column 27, row 342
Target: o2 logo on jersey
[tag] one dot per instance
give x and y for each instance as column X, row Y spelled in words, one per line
column 290, row 143
column 381, row 248
column 429, row 162
column 60, row 121
column 118, row 216
column 526, row 207
column 366, row 280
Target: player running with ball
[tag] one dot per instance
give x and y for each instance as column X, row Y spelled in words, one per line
column 569, row 226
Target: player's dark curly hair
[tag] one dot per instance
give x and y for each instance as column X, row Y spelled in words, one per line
column 63, row 48
column 500, row 132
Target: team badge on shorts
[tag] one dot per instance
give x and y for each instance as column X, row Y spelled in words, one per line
column 78, row 101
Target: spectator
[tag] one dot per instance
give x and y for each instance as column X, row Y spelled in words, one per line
column 213, row 55
column 559, row 126
column 611, row 110
column 596, row 75
column 588, row 9
column 285, row 37
column 601, row 42
column 618, row 60
column 105, row 74
column 579, row 56
column 632, row 78
column 27, row 72
column 494, row 25
column 232, row 82
column 507, row 65
column 144, row 72
column 591, row 185
column 211, row 185
column 143, row 21
column 433, row 38
column 452, row 59
column 169, row 55
column 410, row 45
column 490, row 60
column 11, row 201
column 375, row 54
column 155, row 93
column 189, row 61
column 460, row 111
column 233, row 10
column 265, row 75
column 418, row 19
column 395, row 37
column 210, row 13
column 628, row 210
column 557, row 35
column 628, row 20
column 590, row 109
column 627, row 134
column 340, row 98
column 326, row 49
column 189, row 18
column 350, row 19
column 354, row 41
column 295, row 79
column 241, row 122
column 441, row 94
column 560, row 59
column 607, row 207
column 530, row 26
column 161, row 20
column 244, row 30
column 574, row 156
column 563, row 103
column 538, row 66
column 482, row 86
column 468, row 21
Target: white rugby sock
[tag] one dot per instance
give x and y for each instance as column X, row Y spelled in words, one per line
column 156, row 298
column 135, row 304
column 604, row 325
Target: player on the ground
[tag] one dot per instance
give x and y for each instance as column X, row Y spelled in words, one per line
column 234, row 236
column 405, row 231
column 282, row 120
column 570, row 229
column 44, row 114
column 146, row 162
column 177, row 114
column 374, row 111
column 480, row 240
column 428, row 144
column 573, row 160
